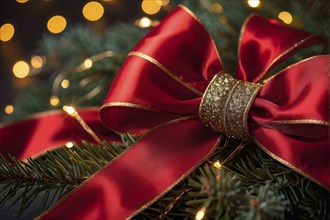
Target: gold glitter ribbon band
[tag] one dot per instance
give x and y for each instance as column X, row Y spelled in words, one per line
column 226, row 103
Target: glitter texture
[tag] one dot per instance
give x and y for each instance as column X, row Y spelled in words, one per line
column 226, row 103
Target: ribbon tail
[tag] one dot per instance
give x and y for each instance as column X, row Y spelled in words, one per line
column 308, row 159
column 50, row 130
column 142, row 174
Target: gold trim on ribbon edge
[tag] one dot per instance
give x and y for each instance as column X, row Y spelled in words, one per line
column 289, row 165
column 278, row 57
column 164, row 69
column 262, row 75
column 42, row 114
column 132, row 105
column 301, row 121
column 265, row 81
column 138, row 106
column 117, row 158
column 179, row 179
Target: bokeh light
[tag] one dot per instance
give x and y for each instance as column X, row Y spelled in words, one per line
column 9, row 109
column 21, row 69
column 216, row 7
column 65, row 83
column 253, row 3
column 69, row 145
column 22, row 1
column 145, row 22
column 93, row 11
column 56, row 24
column 151, row 7
column 285, row 16
column 54, row 100
column 6, row 32
column 37, row 61
column 88, row 63
column 70, row 110
column 200, row 214
column 217, row 164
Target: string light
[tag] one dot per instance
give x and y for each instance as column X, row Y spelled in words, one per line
column 7, row 32
column 70, row 110
column 9, row 109
column 54, row 100
column 69, row 145
column 200, row 214
column 73, row 113
column 285, row 16
column 22, row 1
column 37, row 61
column 145, row 22
column 21, row 69
column 253, row 3
column 151, row 7
column 216, row 7
column 65, row 83
column 93, row 11
column 217, row 164
column 88, row 63
column 56, row 24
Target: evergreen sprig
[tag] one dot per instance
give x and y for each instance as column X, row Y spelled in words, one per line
column 54, row 173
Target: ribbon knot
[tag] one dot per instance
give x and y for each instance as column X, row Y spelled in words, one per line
column 225, row 105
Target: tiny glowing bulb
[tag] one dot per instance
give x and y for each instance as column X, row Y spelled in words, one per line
column 9, row 109
column 253, row 3
column 65, row 83
column 145, row 22
column 54, row 100
column 88, row 63
column 70, row 110
column 200, row 214
column 69, row 145
column 217, row 164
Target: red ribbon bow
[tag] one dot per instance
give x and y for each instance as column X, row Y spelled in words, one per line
column 158, row 90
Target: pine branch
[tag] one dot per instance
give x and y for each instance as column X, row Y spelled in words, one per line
column 53, row 174
column 223, row 196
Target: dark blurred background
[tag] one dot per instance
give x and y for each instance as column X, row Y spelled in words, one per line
column 24, row 22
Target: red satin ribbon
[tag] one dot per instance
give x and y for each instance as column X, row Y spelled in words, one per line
column 159, row 88
column 46, row 131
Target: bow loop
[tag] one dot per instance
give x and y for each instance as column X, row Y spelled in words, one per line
column 289, row 118
column 297, row 92
column 180, row 38
column 265, row 43
column 164, row 77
